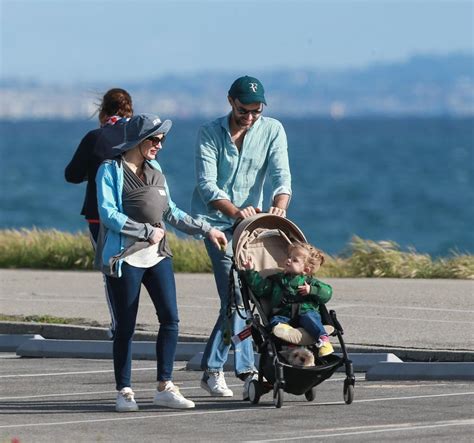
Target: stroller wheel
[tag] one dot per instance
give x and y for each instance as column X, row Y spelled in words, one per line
column 348, row 391
column 254, row 392
column 277, row 395
column 310, row 394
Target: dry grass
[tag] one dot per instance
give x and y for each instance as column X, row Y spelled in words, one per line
column 51, row 249
column 45, row 249
column 367, row 258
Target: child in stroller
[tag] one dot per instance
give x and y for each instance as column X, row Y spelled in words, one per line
column 295, row 295
column 261, row 242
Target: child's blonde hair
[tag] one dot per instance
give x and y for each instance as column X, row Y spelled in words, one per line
column 314, row 257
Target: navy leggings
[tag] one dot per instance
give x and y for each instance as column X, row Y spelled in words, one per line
column 125, row 292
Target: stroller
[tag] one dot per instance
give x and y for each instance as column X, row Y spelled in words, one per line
column 265, row 237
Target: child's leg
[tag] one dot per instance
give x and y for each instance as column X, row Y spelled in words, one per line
column 282, row 329
column 311, row 322
column 279, row 319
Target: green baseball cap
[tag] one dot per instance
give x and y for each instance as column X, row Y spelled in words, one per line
column 248, row 90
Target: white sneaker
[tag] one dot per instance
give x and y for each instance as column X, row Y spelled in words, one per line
column 245, row 393
column 214, row 383
column 126, row 401
column 170, row 397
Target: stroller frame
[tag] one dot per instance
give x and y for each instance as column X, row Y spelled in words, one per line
column 274, row 373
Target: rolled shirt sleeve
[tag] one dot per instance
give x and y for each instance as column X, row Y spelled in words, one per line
column 278, row 164
column 207, row 154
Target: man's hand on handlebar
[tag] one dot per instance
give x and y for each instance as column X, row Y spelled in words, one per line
column 277, row 211
column 246, row 212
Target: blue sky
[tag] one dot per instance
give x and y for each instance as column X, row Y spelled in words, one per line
column 66, row 41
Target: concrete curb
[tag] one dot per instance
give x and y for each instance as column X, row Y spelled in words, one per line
column 415, row 354
column 10, row 343
column 360, row 362
column 75, row 332
column 421, row 371
column 191, row 352
column 141, row 350
column 378, row 366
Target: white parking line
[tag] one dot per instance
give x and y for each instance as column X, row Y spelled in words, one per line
column 90, row 393
column 394, row 427
column 60, row 299
column 408, row 308
column 55, row 300
column 52, row 374
column 414, row 397
column 381, row 317
column 232, row 411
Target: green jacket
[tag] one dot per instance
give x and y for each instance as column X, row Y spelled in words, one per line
column 272, row 289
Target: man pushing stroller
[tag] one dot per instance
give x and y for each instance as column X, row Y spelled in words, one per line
column 294, row 294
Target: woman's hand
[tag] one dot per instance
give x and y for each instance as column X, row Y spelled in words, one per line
column 218, row 238
column 158, row 234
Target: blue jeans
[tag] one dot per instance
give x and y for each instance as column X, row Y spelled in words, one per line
column 216, row 351
column 125, row 291
column 310, row 321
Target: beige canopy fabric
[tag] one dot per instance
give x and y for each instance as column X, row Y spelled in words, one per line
column 265, row 238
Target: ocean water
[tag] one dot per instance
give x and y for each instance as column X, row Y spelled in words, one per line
column 408, row 180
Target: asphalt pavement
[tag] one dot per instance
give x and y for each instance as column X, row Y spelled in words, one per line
column 72, row 399
column 415, row 319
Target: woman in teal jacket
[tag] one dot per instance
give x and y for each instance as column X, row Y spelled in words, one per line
column 132, row 249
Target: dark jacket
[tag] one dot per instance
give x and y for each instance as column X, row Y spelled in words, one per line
column 87, row 159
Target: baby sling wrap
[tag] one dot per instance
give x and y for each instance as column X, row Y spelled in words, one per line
column 144, row 201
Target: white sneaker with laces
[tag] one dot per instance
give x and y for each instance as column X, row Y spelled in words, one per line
column 245, row 393
column 170, row 397
column 126, row 401
column 214, row 383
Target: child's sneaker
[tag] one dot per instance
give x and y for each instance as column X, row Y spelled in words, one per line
column 214, row 383
column 325, row 346
column 126, row 401
column 287, row 333
column 170, row 397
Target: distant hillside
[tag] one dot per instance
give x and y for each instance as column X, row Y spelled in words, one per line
column 423, row 85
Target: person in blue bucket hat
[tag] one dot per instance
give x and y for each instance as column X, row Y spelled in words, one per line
column 134, row 204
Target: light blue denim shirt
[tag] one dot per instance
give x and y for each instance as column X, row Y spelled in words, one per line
column 222, row 172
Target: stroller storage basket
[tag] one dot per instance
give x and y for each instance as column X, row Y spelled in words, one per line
column 298, row 380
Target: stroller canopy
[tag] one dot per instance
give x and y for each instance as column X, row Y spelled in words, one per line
column 264, row 237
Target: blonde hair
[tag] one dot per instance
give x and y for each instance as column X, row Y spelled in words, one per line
column 314, row 257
